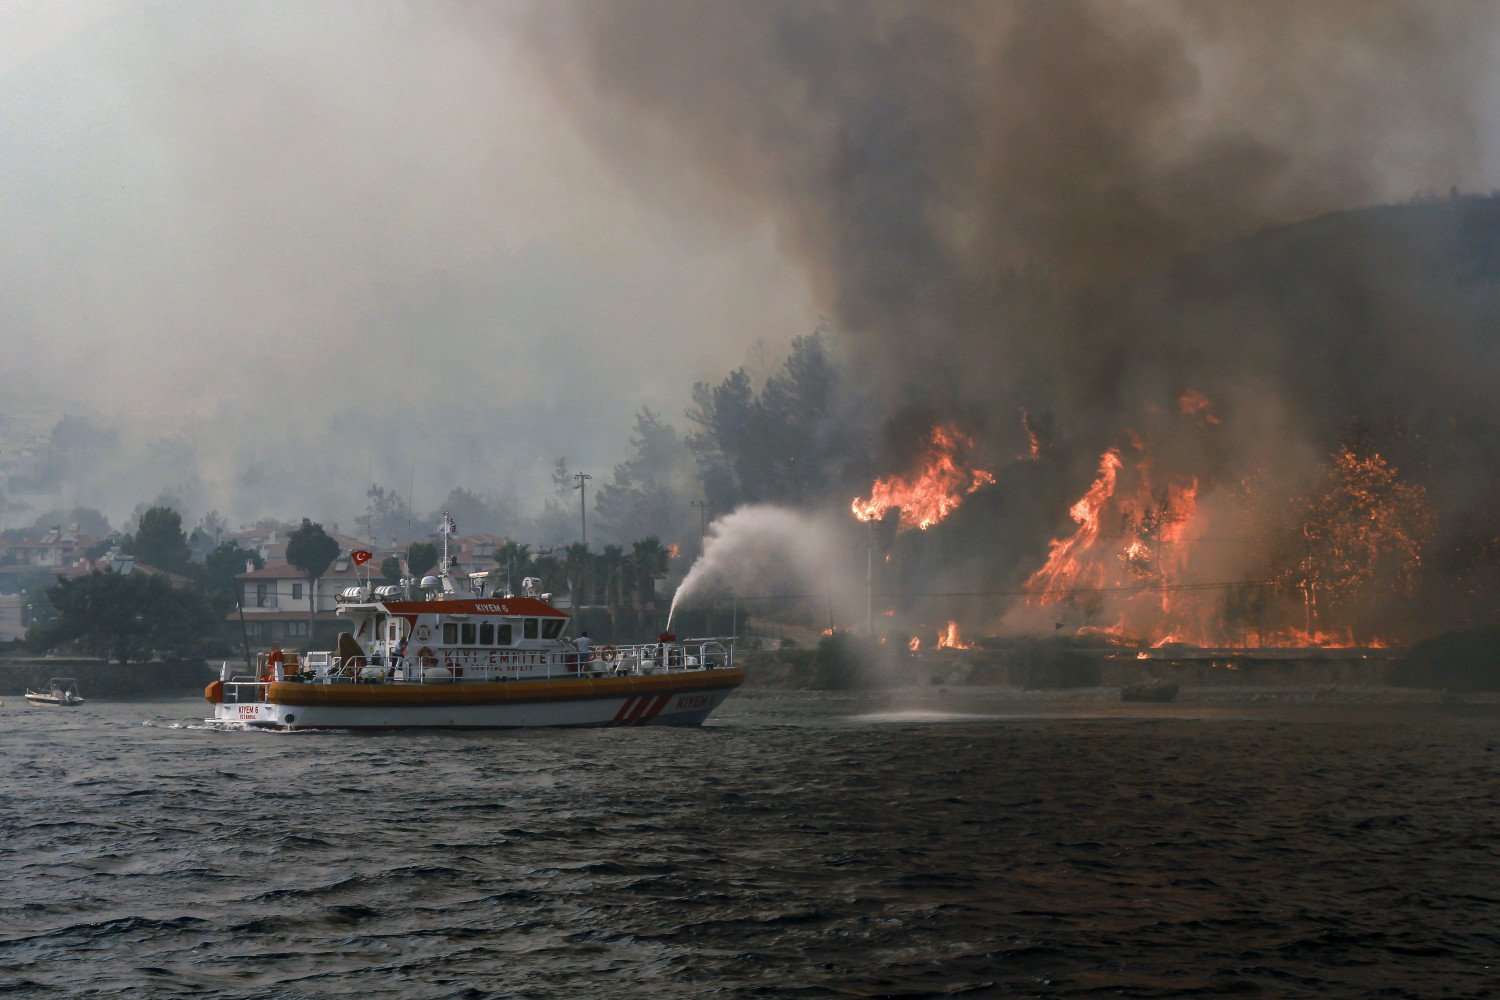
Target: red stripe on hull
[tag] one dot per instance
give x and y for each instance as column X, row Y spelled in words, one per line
column 655, row 709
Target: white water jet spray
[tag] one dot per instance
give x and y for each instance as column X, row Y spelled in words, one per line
column 768, row 549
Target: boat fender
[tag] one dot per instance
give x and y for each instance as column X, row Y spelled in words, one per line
column 215, row 692
column 608, row 654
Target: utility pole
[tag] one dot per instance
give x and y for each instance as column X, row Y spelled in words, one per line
column 583, row 489
column 702, row 506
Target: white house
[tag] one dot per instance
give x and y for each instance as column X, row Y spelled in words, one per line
column 274, row 599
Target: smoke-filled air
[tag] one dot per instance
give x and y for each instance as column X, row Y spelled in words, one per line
column 1151, row 322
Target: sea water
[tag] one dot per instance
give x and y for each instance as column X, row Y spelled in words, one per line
column 798, row 844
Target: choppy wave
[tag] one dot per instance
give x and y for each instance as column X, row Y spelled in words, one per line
column 798, row 846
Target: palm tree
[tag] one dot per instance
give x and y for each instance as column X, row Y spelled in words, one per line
column 311, row 550
column 650, row 559
column 611, row 565
column 578, row 564
column 515, row 559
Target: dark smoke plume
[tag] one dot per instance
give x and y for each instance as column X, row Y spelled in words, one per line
column 1048, row 206
column 919, row 157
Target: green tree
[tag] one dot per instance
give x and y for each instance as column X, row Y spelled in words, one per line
column 783, row 444
column 562, row 478
column 88, row 519
column 390, row 570
column 578, row 566
column 387, row 517
column 312, row 550
column 726, row 420
column 159, row 541
column 491, row 515
column 125, row 617
column 223, row 564
column 421, row 557
column 611, row 568
column 555, row 524
column 648, row 492
column 214, row 525
column 648, row 561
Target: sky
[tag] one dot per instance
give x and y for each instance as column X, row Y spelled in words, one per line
column 284, row 247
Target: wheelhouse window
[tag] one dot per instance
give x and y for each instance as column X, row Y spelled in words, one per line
column 487, row 634
column 528, row 628
column 468, row 633
column 450, row 633
column 552, row 628
column 503, row 635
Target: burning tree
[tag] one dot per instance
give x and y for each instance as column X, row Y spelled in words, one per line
column 932, row 492
column 1363, row 535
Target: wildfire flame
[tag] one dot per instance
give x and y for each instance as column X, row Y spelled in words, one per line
column 934, row 492
column 1194, row 404
column 1064, row 571
column 948, row 638
column 1033, row 438
column 673, row 550
column 1131, row 557
column 915, row 644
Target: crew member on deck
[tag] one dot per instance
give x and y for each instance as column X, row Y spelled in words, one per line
column 275, row 669
column 582, row 644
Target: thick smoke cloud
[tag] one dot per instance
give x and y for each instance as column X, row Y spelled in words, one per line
column 989, row 196
column 1078, row 209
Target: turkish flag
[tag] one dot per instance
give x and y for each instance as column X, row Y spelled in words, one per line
column 360, row 556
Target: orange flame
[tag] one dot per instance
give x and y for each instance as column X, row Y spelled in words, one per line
column 1063, row 570
column 948, row 638
column 1194, row 404
column 933, row 493
column 1132, row 556
column 673, row 550
column 915, row 644
column 1033, row 439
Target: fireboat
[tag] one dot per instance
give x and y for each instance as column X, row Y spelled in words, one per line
column 436, row 659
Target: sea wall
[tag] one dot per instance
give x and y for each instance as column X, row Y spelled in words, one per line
column 1063, row 669
column 108, row 681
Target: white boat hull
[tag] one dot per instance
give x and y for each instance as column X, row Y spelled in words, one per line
column 686, row 701
column 47, row 699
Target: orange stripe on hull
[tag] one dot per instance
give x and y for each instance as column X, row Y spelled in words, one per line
column 471, row 693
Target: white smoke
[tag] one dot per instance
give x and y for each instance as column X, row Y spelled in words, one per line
column 764, row 550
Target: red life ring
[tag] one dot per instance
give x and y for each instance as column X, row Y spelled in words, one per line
column 608, row 654
column 425, row 658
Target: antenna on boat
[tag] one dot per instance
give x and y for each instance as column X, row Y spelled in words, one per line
column 446, row 529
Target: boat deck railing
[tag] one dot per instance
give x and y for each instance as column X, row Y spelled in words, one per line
column 644, row 659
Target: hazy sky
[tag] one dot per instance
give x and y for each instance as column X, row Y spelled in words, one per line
column 290, row 242
column 281, row 246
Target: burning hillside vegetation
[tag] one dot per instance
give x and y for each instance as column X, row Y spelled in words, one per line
column 1122, row 353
